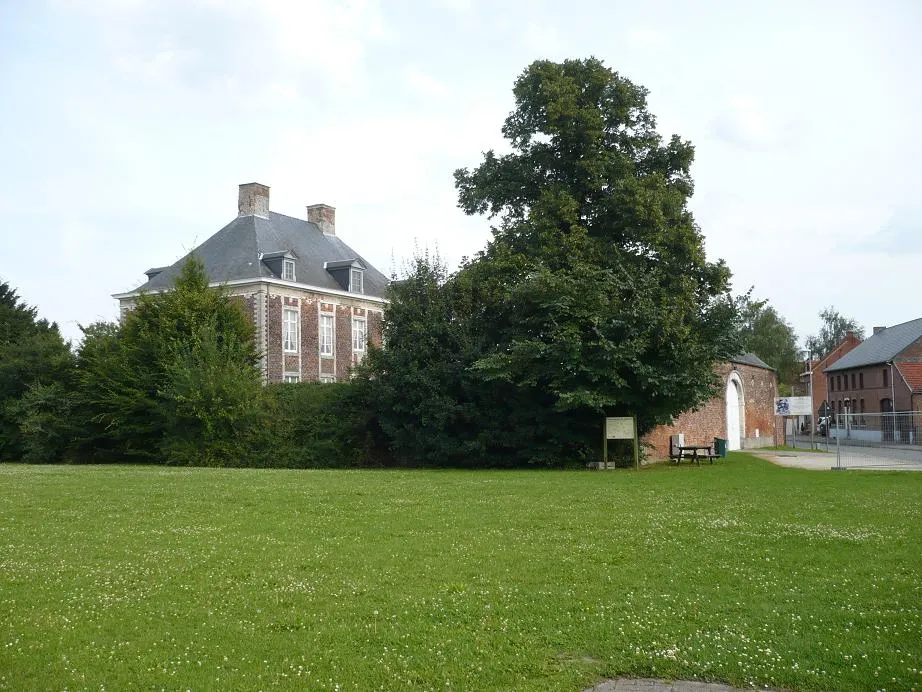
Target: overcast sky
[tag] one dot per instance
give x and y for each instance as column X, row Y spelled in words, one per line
column 127, row 126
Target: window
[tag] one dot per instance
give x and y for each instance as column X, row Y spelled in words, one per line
column 355, row 281
column 326, row 335
column 288, row 270
column 839, row 382
column 290, row 330
column 291, row 379
column 886, row 377
column 358, row 333
column 860, row 380
column 832, row 384
column 327, row 379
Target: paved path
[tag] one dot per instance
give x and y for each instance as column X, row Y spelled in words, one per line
column 653, row 685
column 824, row 462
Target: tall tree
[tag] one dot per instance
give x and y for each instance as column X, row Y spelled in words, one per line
column 609, row 304
column 176, row 382
column 833, row 329
column 768, row 335
column 594, row 296
column 32, row 355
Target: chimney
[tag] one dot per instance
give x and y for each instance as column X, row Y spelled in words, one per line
column 324, row 216
column 878, row 330
column 253, row 200
column 849, row 334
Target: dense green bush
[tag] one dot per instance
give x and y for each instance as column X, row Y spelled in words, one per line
column 313, row 425
column 34, row 359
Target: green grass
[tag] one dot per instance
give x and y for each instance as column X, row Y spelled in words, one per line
column 244, row 579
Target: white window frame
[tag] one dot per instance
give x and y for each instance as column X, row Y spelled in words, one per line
column 358, row 345
column 291, row 379
column 353, row 273
column 288, row 270
column 290, row 340
column 327, row 352
column 327, row 379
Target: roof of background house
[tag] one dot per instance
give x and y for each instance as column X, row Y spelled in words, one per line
column 880, row 347
column 912, row 373
column 751, row 359
column 236, row 251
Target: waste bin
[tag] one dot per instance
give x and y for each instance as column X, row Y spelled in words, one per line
column 720, row 447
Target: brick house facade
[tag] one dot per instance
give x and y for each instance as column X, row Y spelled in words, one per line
column 743, row 413
column 315, row 303
column 879, row 375
column 816, row 368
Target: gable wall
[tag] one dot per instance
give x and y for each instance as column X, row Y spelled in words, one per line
column 703, row 425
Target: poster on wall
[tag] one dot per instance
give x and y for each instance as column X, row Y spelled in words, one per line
column 793, row 406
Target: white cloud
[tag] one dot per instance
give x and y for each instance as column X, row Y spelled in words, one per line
column 648, row 38
column 424, row 84
column 541, row 39
column 459, row 6
column 745, row 122
column 264, row 40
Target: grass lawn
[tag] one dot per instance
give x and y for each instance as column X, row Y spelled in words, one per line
column 242, row 579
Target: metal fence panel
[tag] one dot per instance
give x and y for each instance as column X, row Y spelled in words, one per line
column 877, row 440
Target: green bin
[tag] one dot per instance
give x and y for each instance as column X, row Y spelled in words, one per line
column 720, row 447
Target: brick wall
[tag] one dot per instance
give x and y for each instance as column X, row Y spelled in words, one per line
column 914, row 350
column 820, row 385
column 274, row 364
column 376, row 327
column 759, row 388
column 310, row 339
column 343, row 346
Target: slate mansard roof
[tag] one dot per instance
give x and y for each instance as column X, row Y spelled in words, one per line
column 884, row 346
column 239, row 253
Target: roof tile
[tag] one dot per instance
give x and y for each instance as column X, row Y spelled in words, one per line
column 912, row 373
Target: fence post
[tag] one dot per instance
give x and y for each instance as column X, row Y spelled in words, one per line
column 838, row 444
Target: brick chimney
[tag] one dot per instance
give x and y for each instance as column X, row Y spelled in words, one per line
column 849, row 334
column 253, row 200
column 324, row 216
column 878, row 330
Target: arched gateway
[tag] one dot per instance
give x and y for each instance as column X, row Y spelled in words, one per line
column 736, row 411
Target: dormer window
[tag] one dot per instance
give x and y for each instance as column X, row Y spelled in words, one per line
column 355, row 281
column 348, row 273
column 281, row 263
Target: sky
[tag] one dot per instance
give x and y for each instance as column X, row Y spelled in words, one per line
column 126, row 127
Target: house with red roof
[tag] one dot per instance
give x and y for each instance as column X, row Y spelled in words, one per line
column 883, row 374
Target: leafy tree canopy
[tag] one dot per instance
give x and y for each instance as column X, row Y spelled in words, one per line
column 768, row 335
column 32, row 355
column 833, row 328
column 593, row 297
column 175, row 381
column 596, row 282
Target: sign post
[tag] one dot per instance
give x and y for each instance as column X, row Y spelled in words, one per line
column 789, row 406
column 624, row 428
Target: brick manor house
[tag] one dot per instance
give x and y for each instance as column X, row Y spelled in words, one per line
column 315, row 302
